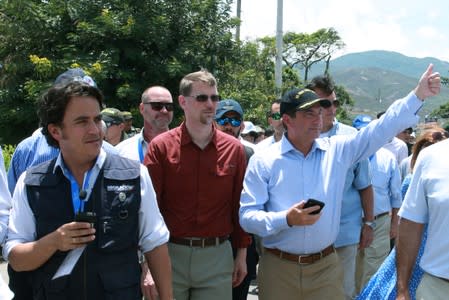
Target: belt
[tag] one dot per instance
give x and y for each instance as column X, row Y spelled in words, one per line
column 199, row 242
column 381, row 215
column 302, row 259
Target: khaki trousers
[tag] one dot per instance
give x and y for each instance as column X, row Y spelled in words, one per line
column 202, row 273
column 370, row 259
column 282, row 279
column 432, row 288
column 348, row 256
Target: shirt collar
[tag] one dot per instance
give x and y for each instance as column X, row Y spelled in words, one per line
column 318, row 143
column 186, row 138
column 98, row 163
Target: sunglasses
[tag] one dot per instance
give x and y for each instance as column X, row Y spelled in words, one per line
column 276, row 116
column 233, row 122
column 158, row 106
column 203, row 98
column 336, row 103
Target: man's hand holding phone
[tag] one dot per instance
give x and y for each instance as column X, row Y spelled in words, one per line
column 304, row 213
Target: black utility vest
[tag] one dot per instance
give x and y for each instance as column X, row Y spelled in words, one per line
column 108, row 267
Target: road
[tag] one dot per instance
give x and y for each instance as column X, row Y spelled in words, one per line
column 4, row 274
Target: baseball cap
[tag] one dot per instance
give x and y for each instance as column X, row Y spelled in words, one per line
column 300, row 99
column 249, row 126
column 228, row 105
column 111, row 116
column 75, row 74
column 361, row 121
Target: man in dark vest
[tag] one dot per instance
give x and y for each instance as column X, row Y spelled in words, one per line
column 78, row 221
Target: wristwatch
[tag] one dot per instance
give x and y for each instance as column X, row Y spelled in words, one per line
column 371, row 224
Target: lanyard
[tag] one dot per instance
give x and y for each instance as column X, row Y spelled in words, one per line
column 140, row 149
column 78, row 203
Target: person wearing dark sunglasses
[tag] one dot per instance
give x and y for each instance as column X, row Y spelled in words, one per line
column 229, row 118
column 197, row 172
column 354, row 233
column 275, row 121
column 156, row 108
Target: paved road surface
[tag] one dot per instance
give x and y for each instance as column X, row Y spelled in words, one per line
column 4, row 274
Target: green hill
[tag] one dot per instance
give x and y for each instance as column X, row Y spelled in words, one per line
column 376, row 78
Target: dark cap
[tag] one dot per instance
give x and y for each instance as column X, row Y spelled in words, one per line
column 111, row 116
column 76, row 74
column 127, row 115
column 300, row 99
column 361, row 121
column 228, row 105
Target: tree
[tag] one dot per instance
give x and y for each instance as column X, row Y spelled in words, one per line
column 124, row 45
column 304, row 50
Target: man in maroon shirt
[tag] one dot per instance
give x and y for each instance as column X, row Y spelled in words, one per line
column 197, row 172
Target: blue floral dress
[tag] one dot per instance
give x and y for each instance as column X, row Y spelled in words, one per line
column 383, row 283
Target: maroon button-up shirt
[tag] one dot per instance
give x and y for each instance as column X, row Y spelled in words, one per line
column 198, row 190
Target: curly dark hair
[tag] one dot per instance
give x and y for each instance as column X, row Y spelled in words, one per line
column 54, row 102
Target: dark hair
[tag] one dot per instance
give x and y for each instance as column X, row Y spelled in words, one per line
column 269, row 112
column 380, row 114
column 54, row 102
column 323, row 83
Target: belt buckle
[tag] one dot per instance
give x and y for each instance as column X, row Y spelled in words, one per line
column 299, row 259
column 191, row 243
column 217, row 241
column 203, row 243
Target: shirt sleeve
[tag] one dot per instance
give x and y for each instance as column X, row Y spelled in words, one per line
column 152, row 229
column 253, row 216
column 240, row 239
column 22, row 224
column 5, row 200
column 395, row 186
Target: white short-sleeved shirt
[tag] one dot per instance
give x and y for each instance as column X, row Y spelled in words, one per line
column 427, row 201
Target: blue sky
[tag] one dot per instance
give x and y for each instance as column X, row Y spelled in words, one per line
column 413, row 28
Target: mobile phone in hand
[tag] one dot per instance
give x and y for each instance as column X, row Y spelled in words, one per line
column 313, row 202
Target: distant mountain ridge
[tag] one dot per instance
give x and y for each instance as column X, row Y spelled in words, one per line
column 376, row 78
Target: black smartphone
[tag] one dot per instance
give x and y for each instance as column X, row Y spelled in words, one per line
column 88, row 216
column 313, row 202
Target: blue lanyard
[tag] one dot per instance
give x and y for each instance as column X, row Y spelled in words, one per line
column 78, row 204
column 140, row 149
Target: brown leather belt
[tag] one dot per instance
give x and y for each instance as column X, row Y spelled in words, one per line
column 199, row 242
column 381, row 215
column 302, row 259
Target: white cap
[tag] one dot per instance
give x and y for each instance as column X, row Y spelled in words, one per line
column 249, row 126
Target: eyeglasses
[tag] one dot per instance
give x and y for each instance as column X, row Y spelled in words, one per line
column 203, row 97
column 232, row 121
column 276, row 116
column 157, row 106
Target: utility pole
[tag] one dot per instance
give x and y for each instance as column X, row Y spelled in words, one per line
column 279, row 42
column 237, row 30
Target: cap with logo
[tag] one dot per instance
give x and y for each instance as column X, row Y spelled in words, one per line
column 300, row 99
column 227, row 105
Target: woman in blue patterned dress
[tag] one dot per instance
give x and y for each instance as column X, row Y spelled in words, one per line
column 383, row 283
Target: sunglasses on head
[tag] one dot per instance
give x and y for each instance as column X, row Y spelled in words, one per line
column 158, row 106
column 111, row 123
column 276, row 116
column 232, row 121
column 203, row 98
